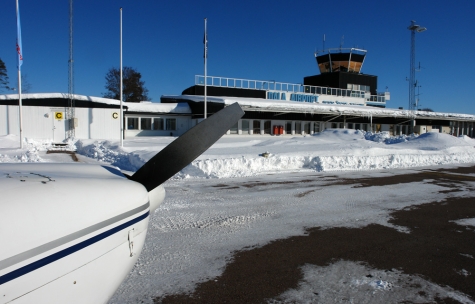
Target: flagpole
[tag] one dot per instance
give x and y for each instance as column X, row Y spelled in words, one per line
column 20, row 61
column 206, row 59
column 20, row 108
column 121, row 110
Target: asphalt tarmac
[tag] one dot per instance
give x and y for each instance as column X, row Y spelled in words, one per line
column 436, row 249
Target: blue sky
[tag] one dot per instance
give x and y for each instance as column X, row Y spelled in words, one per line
column 262, row 40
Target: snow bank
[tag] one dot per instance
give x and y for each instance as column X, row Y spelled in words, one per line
column 331, row 150
column 10, row 151
column 239, row 156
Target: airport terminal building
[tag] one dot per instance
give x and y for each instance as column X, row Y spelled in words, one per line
column 339, row 97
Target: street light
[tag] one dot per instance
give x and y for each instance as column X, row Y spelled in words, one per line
column 412, row 78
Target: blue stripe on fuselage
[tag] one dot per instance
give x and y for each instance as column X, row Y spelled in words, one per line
column 65, row 252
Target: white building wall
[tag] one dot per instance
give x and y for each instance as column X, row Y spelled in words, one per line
column 9, row 120
column 41, row 123
column 38, row 122
column 97, row 123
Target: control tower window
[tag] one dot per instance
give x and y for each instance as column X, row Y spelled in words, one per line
column 324, row 67
column 340, row 66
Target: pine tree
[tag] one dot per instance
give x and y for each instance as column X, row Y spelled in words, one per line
column 133, row 87
column 3, row 77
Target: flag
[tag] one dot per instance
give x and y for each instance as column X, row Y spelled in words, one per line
column 18, row 39
column 205, row 42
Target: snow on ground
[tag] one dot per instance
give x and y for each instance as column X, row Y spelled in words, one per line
column 203, row 222
column 193, row 234
column 236, row 156
column 364, row 285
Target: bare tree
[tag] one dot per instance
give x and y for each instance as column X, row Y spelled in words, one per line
column 25, row 84
column 133, row 87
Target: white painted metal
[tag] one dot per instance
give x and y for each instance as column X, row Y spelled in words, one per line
column 59, row 132
column 49, row 210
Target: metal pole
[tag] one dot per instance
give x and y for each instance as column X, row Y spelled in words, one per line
column 120, row 87
column 206, row 72
column 20, row 59
column 20, row 108
column 412, row 73
column 70, row 114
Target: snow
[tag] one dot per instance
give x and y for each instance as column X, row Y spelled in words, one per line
column 365, row 285
column 150, row 107
column 305, row 107
column 207, row 215
column 239, row 156
column 331, row 150
column 252, row 103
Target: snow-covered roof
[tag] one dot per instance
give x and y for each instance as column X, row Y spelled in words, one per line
column 265, row 105
column 149, row 107
column 59, row 95
column 154, row 107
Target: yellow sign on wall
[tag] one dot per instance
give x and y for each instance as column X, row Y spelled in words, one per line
column 58, row 115
column 115, row 115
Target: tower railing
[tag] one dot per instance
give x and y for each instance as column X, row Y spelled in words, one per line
column 270, row 85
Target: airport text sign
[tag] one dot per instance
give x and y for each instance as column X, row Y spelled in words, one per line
column 299, row 97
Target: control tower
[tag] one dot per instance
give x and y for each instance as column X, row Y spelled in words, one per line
column 341, row 68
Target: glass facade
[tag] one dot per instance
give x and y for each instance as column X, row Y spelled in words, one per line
column 171, row 124
column 145, row 123
column 132, row 123
column 148, row 123
column 316, row 127
column 306, row 127
column 288, row 127
column 267, row 127
column 158, row 123
column 256, row 127
column 245, row 126
column 298, row 127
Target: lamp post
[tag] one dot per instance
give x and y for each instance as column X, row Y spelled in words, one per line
column 412, row 78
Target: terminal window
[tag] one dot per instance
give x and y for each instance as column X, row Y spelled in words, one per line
column 132, row 123
column 288, row 127
column 158, row 123
column 245, row 126
column 171, row 124
column 145, row 123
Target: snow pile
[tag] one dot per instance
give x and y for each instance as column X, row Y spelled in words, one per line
column 110, row 152
column 239, row 156
column 384, row 137
column 337, row 150
column 10, row 151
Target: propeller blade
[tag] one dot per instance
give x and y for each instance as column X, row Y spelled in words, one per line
column 186, row 148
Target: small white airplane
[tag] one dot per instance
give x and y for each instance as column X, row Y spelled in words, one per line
column 70, row 233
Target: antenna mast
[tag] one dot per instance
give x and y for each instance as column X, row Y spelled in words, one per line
column 412, row 76
column 70, row 111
